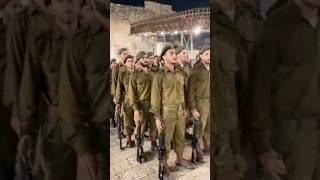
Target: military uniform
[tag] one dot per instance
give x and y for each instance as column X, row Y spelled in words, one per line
column 8, row 138
column 121, row 97
column 40, row 81
column 199, row 98
column 114, row 77
column 84, row 96
column 229, row 83
column 168, row 101
column 29, row 22
column 286, row 101
column 139, row 96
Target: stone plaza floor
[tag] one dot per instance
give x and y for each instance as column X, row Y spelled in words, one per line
column 123, row 165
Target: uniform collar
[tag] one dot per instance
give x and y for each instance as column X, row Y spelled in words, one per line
column 58, row 33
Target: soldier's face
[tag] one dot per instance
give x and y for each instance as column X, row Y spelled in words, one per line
column 130, row 63
column 124, row 54
column 183, row 55
column 144, row 61
column 66, row 11
column 205, row 56
column 151, row 59
column 170, row 56
column 312, row 3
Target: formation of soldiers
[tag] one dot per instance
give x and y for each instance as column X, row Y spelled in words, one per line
column 159, row 94
column 54, row 89
column 265, row 90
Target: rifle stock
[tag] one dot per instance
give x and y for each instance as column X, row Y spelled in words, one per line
column 194, row 141
column 139, row 144
column 161, row 154
column 120, row 128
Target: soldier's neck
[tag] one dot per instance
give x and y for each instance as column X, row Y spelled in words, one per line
column 180, row 62
column 169, row 66
column 68, row 28
column 145, row 69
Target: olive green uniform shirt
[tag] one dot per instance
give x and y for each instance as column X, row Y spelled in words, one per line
column 140, row 88
column 287, row 73
column 84, row 86
column 199, row 85
column 168, row 88
column 29, row 22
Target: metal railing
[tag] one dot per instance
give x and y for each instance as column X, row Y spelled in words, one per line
column 176, row 21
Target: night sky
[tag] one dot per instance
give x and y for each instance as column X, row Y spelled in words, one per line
column 177, row 5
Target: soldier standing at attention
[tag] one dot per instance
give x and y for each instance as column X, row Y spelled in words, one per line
column 168, row 104
column 40, row 82
column 140, row 96
column 199, row 100
column 229, row 83
column 8, row 137
column 122, row 101
column 84, row 98
column 122, row 55
column 31, row 21
column 286, row 100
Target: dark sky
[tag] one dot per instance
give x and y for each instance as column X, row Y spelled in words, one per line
column 177, row 5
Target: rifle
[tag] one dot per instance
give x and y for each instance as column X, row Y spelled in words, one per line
column 119, row 121
column 161, row 152
column 194, row 141
column 23, row 170
column 140, row 158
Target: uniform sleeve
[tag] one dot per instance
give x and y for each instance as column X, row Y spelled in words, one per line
column 192, row 90
column 29, row 90
column 114, row 78
column 156, row 92
column 119, row 87
column 132, row 92
column 15, row 44
column 71, row 92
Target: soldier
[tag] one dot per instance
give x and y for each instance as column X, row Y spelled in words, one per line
column 229, row 83
column 121, row 98
column 286, row 100
column 199, row 100
column 139, row 98
column 8, row 137
column 182, row 57
column 40, row 82
column 113, row 63
column 84, row 97
column 122, row 55
column 31, row 21
column 168, row 105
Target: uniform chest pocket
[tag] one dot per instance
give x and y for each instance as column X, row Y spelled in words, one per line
column 141, row 81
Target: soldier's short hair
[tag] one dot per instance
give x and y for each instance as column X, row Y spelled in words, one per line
column 149, row 54
column 112, row 60
column 140, row 54
column 179, row 49
column 122, row 50
column 128, row 57
column 165, row 49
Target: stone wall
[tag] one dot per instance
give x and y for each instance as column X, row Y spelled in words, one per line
column 120, row 18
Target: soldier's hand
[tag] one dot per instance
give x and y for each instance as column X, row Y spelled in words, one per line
column 88, row 162
column 159, row 125
column 241, row 165
column 195, row 114
column 15, row 124
column 273, row 164
column 137, row 115
column 25, row 148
